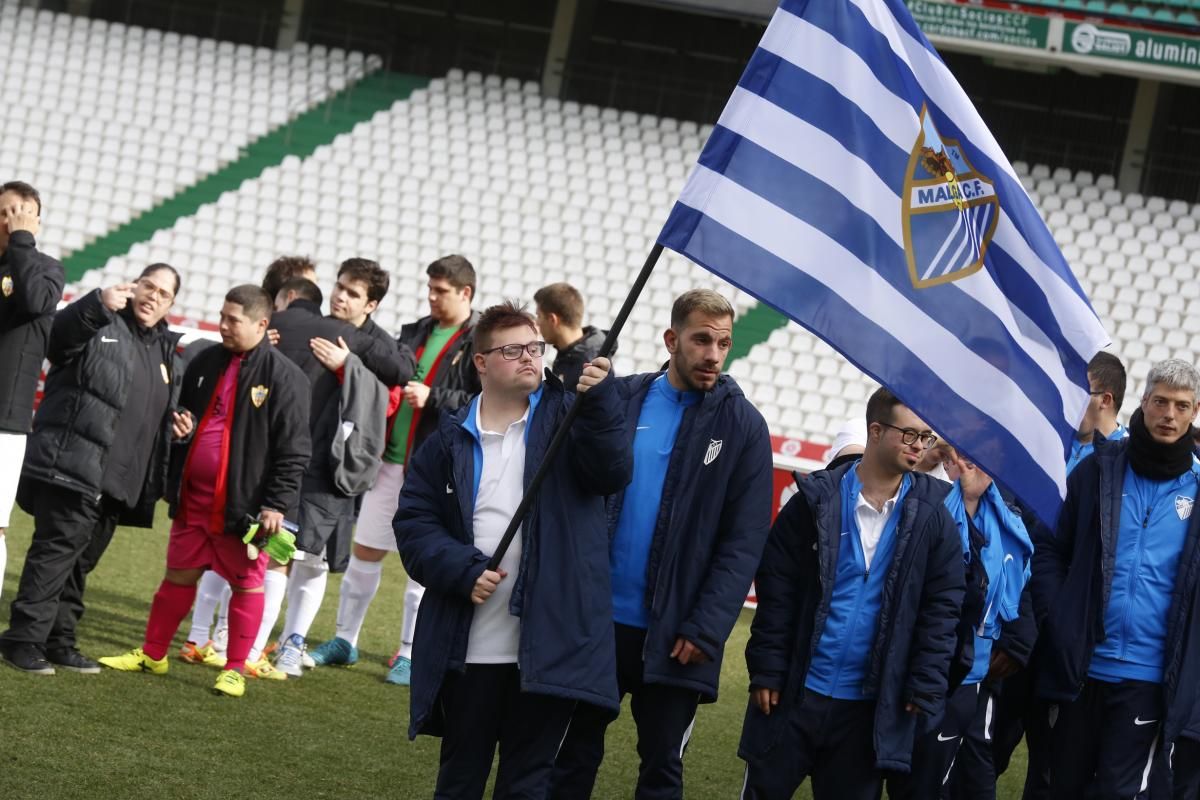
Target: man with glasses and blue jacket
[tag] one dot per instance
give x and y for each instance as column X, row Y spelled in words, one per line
column 859, row 594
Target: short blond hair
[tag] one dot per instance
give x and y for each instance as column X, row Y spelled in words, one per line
column 706, row 301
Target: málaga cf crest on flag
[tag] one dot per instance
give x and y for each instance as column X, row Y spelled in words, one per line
column 950, row 210
column 850, row 184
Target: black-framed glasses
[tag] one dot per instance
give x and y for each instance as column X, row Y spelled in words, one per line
column 512, row 352
column 909, row 436
column 1095, row 394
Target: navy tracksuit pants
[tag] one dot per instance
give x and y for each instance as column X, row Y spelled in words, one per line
column 828, row 740
column 664, row 716
column 484, row 707
column 1177, row 776
column 1019, row 713
column 1103, row 744
column 935, row 750
column 974, row 776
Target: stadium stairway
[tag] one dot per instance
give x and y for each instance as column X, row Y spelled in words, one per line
column 299, row 137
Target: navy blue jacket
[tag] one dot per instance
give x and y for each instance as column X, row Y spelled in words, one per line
column 915, row 639
column 1072, row 580
column 562, row 594
column 704, row 552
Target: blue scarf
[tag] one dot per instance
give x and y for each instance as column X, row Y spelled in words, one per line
column 1005, row 555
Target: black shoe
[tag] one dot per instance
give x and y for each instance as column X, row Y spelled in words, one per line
column 73, row 660
column 26, row 657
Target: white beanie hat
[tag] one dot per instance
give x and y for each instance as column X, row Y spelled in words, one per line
column 852, row 432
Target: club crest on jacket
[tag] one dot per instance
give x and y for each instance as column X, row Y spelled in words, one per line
column 714, row 450
column 1183, row 506
column 6, row 285
column 258, row 395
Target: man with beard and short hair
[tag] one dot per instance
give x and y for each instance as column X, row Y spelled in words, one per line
column 244, row 445
column 686, row 538
column 31, row 284
column 560, row 319
column 97, row 456
column 1117, row 590
column 445, row 380
column 859, row 594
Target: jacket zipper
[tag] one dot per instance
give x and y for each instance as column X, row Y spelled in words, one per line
column 854, row 624
column 1131, row 584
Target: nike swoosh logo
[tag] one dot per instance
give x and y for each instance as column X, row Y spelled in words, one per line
column 845, row 533
column 643, row 427
column 946, row 738
column 106, row 339
column 1008, row 558
column 448, row 489
column 1139, row 721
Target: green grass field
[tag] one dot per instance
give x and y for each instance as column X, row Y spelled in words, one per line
column 335, row 733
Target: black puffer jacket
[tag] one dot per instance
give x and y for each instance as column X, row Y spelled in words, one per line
column 297, row 326
column 269, row 444
column 456, row 380
column 31, row 284
column 568, row 362
column 91, row 353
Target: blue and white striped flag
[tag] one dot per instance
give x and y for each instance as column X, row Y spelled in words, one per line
column 851, row 184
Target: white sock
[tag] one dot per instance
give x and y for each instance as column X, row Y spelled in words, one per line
column 223, row 608
column 221, row 634
column 306, row 590
column 3, row 559
column 274, row 588
column 208, row 596
column 413, row 592
column 359, row 585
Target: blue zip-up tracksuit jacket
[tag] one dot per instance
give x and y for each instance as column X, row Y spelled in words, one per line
column 915, row 633
column 1072, row 585
column 1154, row 523
column 839, row 661
column 718, row 491
column 562, row 593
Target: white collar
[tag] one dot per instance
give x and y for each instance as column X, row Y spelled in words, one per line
column 887, row 506
column 479, row 421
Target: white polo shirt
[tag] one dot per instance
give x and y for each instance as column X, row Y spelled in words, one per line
column 495, row 633
column 871, row 523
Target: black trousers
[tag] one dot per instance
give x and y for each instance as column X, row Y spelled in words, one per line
column 831, row 741
column 934, row 751
column 1177, row 772
column 663, row 714
column 485, row 707
column 71, row 533
column 1185, row 768
column 974, row 776
column 1103, row 744
column 1020, row 713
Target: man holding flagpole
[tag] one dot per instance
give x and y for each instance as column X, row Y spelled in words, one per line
column 504, row 654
